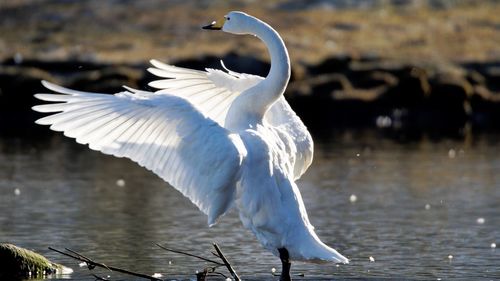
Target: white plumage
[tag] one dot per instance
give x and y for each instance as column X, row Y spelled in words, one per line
column 164, row 133
column 219, row 137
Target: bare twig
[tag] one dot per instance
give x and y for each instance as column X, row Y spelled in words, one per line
column 210, row 270
column 201, row 276
column 219, row 273
column 90, row 262
column 226, row 262
column 190, row 255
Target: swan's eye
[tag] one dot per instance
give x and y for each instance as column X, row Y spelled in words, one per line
column 228, row 18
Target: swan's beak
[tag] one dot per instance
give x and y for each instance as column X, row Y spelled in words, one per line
column 215, row 25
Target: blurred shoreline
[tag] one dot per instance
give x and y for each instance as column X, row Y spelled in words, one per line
column 406, row 67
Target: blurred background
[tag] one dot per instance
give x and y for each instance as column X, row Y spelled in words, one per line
column 402, row 98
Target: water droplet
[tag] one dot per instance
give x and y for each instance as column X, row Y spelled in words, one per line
column 228, row 279
column 357, row 154
column 450, row 257
column 273, row 270
column 18, row 58
column 383, row 121
column 371, row 259
column 157, row 275
column 120, row 182
column 169, row 262
column 353, row 198
column 493, row 245
column 17, row 192
column 427, row 206
column 452, row 153
column 480, row 220
column 82, row 264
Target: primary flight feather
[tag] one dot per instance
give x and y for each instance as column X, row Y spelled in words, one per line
column 220, row 137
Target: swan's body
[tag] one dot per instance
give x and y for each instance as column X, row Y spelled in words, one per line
column 218, row 137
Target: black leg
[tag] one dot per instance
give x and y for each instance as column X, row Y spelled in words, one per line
column 286, row 265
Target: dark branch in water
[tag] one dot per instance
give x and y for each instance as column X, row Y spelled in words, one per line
column 190, row 255
column 92, row 264
column 209, row 270
column 200, row 276
column 226, row 263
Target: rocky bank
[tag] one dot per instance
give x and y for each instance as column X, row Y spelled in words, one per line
column 339, row 92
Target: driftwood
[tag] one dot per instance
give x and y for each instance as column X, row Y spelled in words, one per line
column 200, row 276
column 91, row 264
column 226, row 263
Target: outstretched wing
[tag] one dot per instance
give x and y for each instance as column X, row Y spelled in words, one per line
column 213, row 91
column 294, row 135
column 163, row 133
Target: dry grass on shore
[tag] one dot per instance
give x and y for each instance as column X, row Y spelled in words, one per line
column 55, row 30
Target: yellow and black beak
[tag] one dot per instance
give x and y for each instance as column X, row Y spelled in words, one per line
column 215, row 25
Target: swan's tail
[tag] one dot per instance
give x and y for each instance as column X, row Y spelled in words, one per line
column 311, row 249
column 327, row 254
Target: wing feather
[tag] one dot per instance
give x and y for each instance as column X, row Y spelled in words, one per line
column 178, row 83
column 294, row 135
column 164, row 133
column 213, row 91
column 204, row 89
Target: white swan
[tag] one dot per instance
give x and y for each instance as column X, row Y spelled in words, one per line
column 218, row 137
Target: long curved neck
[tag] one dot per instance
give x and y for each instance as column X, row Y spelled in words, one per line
column 279, row 74
column 250, row 107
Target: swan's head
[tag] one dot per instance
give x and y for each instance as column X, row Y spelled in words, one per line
column 234, row 22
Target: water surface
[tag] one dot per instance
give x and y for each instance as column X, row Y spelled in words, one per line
column 423, row 210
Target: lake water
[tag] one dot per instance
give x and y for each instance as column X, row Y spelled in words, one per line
column 423, row 211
